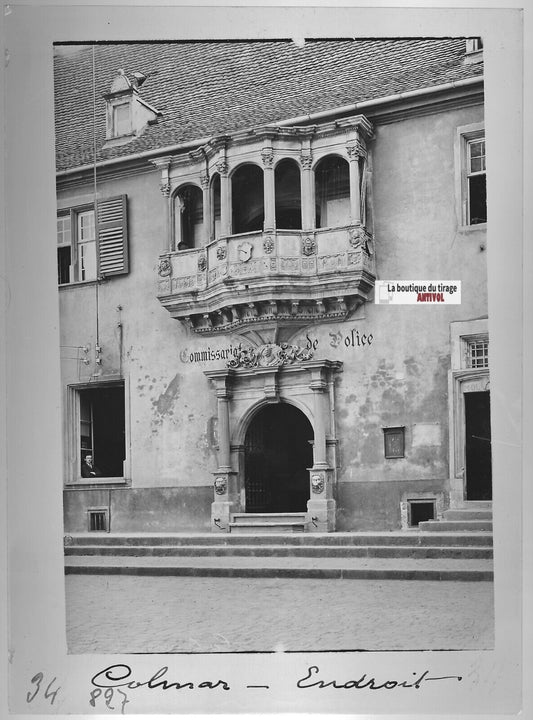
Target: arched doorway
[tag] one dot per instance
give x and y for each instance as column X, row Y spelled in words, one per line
column 277, row 455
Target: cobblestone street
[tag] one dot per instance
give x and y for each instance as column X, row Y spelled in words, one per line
column 131, row 614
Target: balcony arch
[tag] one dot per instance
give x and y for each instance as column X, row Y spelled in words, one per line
column 332, row 191
column 188, row 207
column 288, row 195
column 247, row 199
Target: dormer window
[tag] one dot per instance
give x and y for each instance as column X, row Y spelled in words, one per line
column 474, row 51
column 122, row 119
column 128, row 114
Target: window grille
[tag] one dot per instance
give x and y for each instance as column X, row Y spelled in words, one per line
column 478, row 354
column 394, row 439
column 98, row 519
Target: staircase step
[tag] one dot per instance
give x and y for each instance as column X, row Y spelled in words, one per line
column 273, row 550
column 467, row 514
column 325, row 568
column 456, row 525
column 434, row 538
column 272, row 526
column 268, row 518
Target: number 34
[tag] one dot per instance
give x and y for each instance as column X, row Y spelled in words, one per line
column 48, row 693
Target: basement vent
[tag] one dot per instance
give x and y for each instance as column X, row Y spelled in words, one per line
column 420, row 511
column 98, row 519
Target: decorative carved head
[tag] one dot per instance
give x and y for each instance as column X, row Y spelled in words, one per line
column 165, row 267
column 317, row 484
column 220, row 485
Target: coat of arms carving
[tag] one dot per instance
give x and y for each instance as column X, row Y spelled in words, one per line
column 245, row 251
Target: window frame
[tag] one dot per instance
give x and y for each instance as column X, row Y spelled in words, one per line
column 105, row 224
column 388, row 433
column 74, row 213
column 72, row 470
column 465, row 136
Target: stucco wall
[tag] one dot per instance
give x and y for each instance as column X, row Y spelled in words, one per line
column 400, row 378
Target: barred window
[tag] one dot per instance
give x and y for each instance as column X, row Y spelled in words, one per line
column 478, row 354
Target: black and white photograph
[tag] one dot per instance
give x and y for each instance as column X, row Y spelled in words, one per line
column 276, row 332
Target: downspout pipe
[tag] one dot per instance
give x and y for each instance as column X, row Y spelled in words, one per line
column 311, row 118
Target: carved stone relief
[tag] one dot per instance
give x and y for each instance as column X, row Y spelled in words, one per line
column 270, row 355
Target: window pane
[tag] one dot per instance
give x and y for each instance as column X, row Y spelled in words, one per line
column 477, row 200
column 86, row 226
column 477, row 156
column 121, row 119
column 63, row 264
column 63, row 230
column 87, row 259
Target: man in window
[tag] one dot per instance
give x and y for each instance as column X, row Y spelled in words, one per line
column 89, row 470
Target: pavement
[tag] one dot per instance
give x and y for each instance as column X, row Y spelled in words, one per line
column 157, row 614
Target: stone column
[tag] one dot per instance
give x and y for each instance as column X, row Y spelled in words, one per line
column 354, row 152
column 226, row 498
column 308, row 193
column 321, row 505
column 223, row 429
column 269, row 189
column 206, row 208
column 225, row 198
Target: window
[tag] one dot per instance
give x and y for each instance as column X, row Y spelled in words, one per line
column 101, row 431
column 420, row 511
column 63, row 249
column 474, row 45
column 477, row 353
column 189, row 218
column 122, row 119
column 394, row 438
column 476, row 182
column 288, row 195
column 332, row 192
column 247, row 199
column 471, row 176
column 91, row 246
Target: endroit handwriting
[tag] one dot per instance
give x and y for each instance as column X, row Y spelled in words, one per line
column 366, row 683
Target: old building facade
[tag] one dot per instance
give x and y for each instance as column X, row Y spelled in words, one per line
column 224, row 212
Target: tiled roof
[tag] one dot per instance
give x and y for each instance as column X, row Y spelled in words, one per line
column 212, row 88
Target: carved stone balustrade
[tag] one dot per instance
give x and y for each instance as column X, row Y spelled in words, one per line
column 284, row 279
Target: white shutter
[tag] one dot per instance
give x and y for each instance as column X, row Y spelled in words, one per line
column 112, row 236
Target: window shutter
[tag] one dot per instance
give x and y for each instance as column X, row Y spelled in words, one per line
column 112, row 236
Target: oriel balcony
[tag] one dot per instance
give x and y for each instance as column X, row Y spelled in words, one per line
column 283, row 278
column 269, row 231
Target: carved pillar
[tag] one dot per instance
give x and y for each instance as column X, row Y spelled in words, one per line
column 206, row 207
column 321, row 504
column 269, row 189
column 178, row 209
column 226, row 491
column 225, row 198
column 308, row 192
column 223, row 429
column 320, row 400
column 354, row 152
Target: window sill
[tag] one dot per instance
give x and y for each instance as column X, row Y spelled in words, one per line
column 467, row 229
column 80, row 283
column 92, row 482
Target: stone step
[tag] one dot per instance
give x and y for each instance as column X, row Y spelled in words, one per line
column 262, row 518
column 273, row 526
column 322, row 568
column 456, row 525
column 467, row 514
column 254, row 550
column 434, row 538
